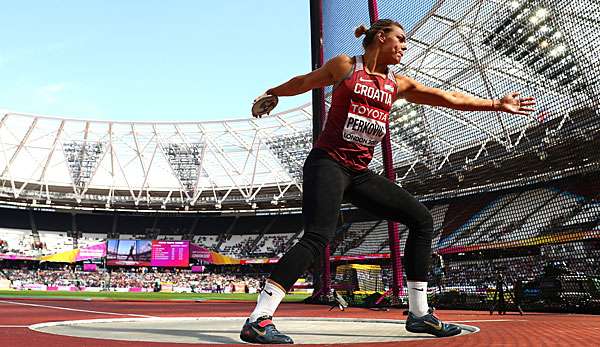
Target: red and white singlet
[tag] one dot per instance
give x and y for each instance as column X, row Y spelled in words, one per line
column 358, row 117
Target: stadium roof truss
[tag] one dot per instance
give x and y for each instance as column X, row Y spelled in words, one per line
column 490, row 48
column 485, row 48
column 46, row 159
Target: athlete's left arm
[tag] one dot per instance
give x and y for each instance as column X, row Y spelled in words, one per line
column 418, row 93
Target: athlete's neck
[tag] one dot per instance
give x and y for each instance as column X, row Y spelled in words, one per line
column 372, row 64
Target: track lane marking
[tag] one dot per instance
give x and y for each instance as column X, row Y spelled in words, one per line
column 488, row 320
column 76, row 309
column 13, row 326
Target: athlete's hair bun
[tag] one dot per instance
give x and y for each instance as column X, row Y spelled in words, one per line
column 360, row 31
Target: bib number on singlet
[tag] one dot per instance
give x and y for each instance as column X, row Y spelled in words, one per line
column 365, row 125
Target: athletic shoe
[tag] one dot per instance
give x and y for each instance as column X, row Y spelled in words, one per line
column 431, row 324
column 263, row 331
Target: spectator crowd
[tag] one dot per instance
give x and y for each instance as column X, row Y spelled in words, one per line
column 148, row 279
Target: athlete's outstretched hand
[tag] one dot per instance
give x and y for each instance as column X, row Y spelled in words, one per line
column 512, row 103
column 264, row 104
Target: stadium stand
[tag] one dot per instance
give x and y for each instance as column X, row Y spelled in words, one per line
column 491, row 217
column 209, row 241
column 588, row 213
column 438, row 213
column 271, row 244
column 372, row 236
column 169, row 237
column 540, row 220
column 480, row 273
column 89, row 238
column 372, row 241
column 237, row 244
column 523, row 229
column 478, row 221
column 462, row 211
column 55, row 242
column 143, row 278
column 19, row 242
column 355, row 234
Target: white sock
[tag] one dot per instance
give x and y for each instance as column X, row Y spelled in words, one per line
column 417, row 298
column 267, row 302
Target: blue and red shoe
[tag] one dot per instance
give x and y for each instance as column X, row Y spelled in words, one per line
column 430, row 324
column 263, row 331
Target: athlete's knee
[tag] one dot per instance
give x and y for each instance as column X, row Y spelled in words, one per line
column 426, row 221
column 315, row 242
column 422, row 223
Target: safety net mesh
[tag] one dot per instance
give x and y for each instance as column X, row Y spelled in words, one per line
column 515, row 199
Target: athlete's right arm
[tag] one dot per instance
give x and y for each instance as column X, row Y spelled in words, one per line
column 330, row 73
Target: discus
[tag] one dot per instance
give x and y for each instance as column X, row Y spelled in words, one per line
column 264, row 104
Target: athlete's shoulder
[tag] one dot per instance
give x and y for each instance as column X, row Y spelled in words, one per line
column 342, row 59
column 339, row 66
column 341, row 62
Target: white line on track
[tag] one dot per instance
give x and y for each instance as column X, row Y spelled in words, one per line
column 76, row 310
column 488, row 320
column 14, row 326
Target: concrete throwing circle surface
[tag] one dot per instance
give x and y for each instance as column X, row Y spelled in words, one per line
column 226, row 330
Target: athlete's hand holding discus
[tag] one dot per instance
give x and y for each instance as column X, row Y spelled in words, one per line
column 264, row 104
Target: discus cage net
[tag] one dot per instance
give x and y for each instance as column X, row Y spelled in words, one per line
column 515, row 199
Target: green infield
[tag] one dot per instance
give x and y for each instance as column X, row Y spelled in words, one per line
column 138, row 296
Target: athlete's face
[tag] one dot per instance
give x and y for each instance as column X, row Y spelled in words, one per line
column 393, row 45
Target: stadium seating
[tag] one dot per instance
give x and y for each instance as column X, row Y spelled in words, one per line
column 235, row 245
column 522, row 208
column 372, row 242
column 208, row 241
column 90, row 239
column 589, row 213
column 562, row 204
column 483, row 272
column 377, row 240
column 271, row 244
column 479, row 221
column 55, row 242
column 438, row 212
column 491, row 217
column 514, row 216
column 463, row 212
column 179, row 280
column 170, row 237
column 355, row 234
column 18, row 241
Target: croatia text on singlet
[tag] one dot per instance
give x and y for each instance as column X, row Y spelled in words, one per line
column 358, row 117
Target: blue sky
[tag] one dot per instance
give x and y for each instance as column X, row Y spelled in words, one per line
column 150, row 60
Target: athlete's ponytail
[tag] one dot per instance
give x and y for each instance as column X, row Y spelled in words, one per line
column 384, row 25
column 360, row 31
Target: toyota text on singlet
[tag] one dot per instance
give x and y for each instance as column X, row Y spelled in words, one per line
column 358, row 117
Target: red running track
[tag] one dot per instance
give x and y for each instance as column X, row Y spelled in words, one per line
column 532, row 329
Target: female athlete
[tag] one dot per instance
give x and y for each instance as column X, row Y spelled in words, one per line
column 337, row 168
